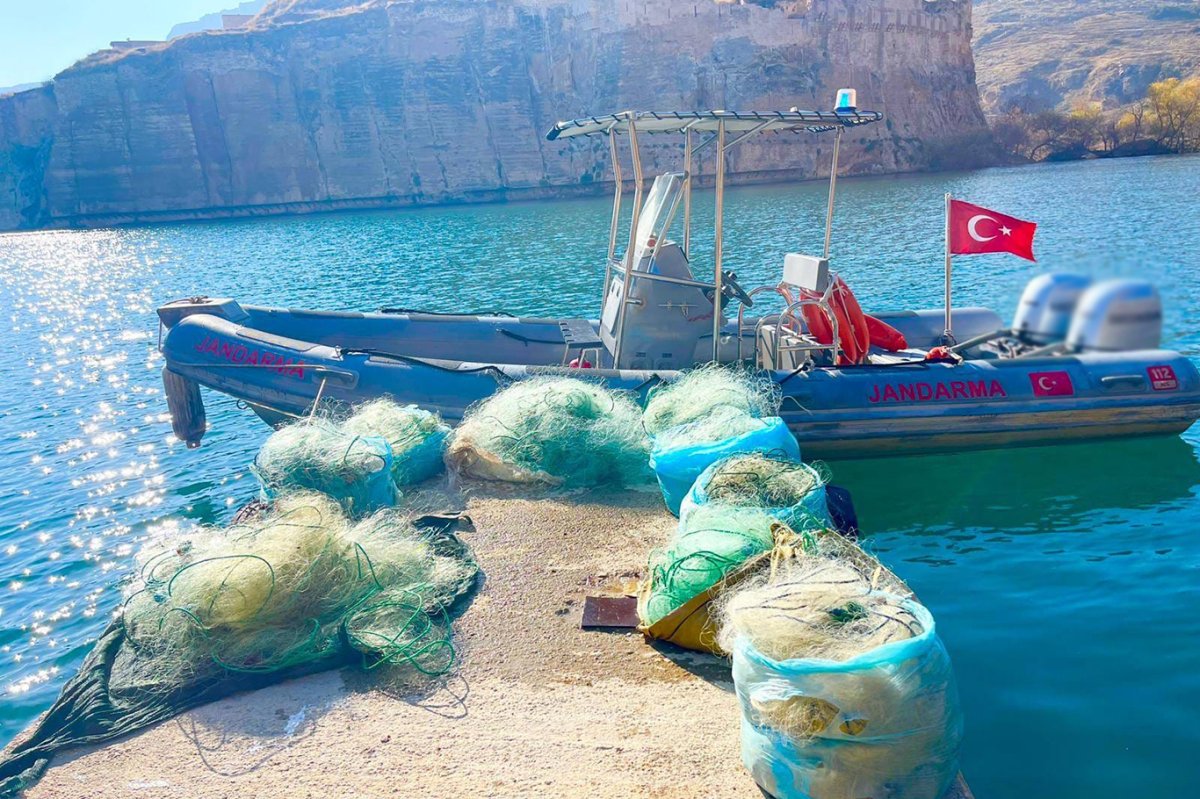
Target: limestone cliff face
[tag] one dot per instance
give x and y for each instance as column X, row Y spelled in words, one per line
column 425, row 101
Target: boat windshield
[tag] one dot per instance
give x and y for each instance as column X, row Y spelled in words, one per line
column 658, row 212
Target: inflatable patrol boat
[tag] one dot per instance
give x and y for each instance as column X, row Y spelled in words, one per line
column 1078, row 361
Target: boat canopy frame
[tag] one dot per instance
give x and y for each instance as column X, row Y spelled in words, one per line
column 719, row 125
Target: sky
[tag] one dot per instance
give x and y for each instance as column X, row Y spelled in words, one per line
column 39, row 38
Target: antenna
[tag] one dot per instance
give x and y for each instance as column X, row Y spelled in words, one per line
column 846, row 103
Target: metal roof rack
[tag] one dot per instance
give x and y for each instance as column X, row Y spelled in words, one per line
column 794, row 121
column 725, row 130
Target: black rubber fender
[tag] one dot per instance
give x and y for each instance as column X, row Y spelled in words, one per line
column 186, row 406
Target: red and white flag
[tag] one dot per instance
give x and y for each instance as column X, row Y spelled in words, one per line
column 975, row 230
column 1052, row 384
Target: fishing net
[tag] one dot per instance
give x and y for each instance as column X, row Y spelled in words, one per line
column 721, row 424
column 845, row 689
column 711, row 543
column 417, row 437
column 318, row 455
column 293, row 590
column 559, row 431
column 700, row 391
column 816, row 608
column 761, row 480
column 791, row 491
column 681, row 454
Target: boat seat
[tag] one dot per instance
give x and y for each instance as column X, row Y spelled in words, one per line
column 882, row 358
column 579, row 335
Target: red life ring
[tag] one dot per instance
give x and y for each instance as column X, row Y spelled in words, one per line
column 855, row 319
column 885, row 336
column 856, row 331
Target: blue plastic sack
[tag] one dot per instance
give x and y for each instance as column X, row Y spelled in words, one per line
column 896, row 723
column 423, row 461
column 678, row 467
column 811, row 513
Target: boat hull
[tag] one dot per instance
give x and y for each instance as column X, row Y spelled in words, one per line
column 863, row 411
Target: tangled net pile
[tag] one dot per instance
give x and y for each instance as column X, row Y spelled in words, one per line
column 711, row 543
column 361, row 460
column 559, row 431
column 820, row 604
column 761, row 480
column 298, row 584
column 789, row 490
column 708, row 414
column 318, row 455
column 721, row 424
column 417, row 437
column 290, row 588
column 709, row 388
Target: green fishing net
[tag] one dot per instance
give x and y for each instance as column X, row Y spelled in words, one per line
column 417, row 437
column 712, row 542
column 700, row 391
column 722, row 423
column 276, row 591
column 559, row 431
column 298, row 589
column 318, row 455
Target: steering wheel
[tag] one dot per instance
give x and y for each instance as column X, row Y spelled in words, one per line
column 731, row 288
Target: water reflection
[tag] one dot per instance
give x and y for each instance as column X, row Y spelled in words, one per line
column 1021, row 490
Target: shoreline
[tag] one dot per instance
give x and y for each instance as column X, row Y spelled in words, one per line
column 500, row 197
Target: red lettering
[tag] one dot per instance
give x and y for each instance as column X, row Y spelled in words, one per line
column 924, row 392
column 241, row 354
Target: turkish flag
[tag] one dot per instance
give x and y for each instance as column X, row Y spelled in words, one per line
column 1052, row 384
column 975, row 230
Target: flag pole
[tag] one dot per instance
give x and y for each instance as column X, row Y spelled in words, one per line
column 948, row 335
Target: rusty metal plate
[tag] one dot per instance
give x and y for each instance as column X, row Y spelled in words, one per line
column 610, row 612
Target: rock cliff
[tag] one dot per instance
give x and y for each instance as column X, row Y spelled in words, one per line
column 326, row 104
column 1039, row 54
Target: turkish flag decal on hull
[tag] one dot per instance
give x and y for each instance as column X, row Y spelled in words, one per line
column 975, row 230
column 1052, row 384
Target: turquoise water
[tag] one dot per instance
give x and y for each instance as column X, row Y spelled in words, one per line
column 1065, row 580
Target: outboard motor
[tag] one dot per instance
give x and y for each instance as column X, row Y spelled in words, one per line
column 1047, row 306
column 1117, row 315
